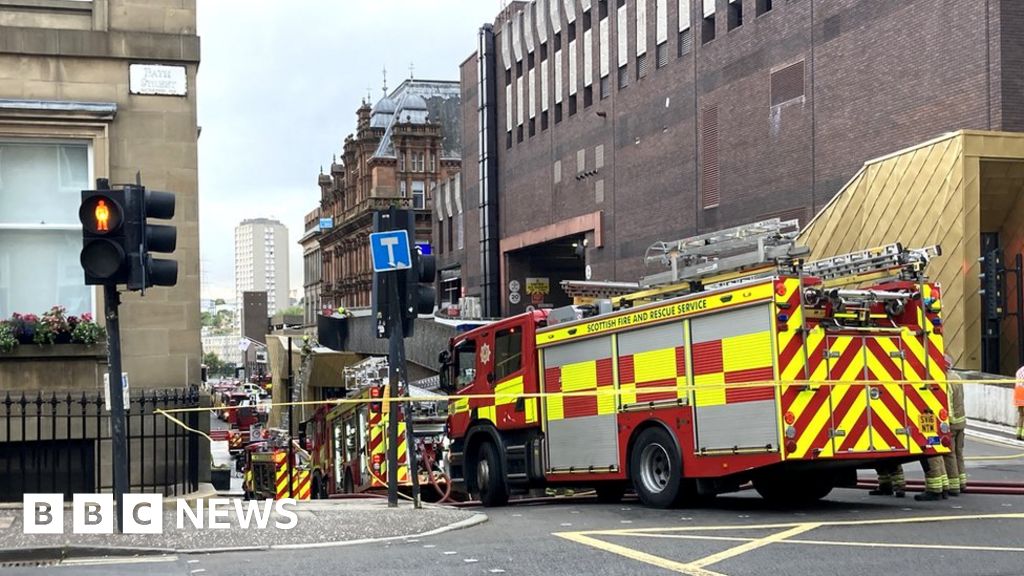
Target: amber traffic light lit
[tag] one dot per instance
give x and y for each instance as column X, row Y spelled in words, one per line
column 100, row 215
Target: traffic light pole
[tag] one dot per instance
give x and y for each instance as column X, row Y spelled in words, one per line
column 291, row 427
column 395, row 350
column 399, row 366
column 397, row 373
column 118, row 430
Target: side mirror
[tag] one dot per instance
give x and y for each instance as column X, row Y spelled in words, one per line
column 444, row 358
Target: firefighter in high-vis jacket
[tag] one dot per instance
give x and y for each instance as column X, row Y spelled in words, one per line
column 954, row 460
column 936, row 479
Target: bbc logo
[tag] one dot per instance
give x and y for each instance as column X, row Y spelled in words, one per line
column 144, row 514
column 92, row 514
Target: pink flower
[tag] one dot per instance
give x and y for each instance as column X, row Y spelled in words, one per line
column 86, row 317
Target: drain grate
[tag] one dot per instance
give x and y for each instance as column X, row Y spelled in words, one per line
column 29, row 563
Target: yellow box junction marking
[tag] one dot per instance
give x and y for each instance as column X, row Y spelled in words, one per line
column 788, row 530
column 674, row 566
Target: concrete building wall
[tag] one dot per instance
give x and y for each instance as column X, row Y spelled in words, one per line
column 261, row 261
column 64, row 52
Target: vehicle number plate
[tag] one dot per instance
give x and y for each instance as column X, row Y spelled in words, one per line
column 927, row 422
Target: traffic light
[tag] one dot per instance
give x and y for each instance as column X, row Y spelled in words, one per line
column 105, row 251
column 146, row 238
column 117, row 239
column 419, row 293
column 416, row 284
column 992, row 284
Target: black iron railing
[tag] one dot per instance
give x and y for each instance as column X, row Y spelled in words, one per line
column 60, row 443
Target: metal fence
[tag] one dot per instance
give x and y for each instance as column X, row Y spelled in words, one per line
column 60, row 443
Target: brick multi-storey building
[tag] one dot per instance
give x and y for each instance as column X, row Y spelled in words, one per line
column 600, row 127
column 404, row 147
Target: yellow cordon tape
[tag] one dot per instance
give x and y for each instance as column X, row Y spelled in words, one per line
column 603, row 393
column 164, row 413
column 608, row 391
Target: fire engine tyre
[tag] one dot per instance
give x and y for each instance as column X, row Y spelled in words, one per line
column 490, row 477
column 349, row 486
column 655, row 468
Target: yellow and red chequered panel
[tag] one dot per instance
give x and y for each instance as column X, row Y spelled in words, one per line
column 737, row 394
column 721, row 368
column 708, row 373
column 552, row 386
column 663, row 369
column 587, row 378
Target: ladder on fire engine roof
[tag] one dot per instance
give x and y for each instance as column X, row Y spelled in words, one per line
column 734, row 250
column 883, row 260
column 745, row 253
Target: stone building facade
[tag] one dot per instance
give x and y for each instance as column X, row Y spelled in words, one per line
column 312, row 265
column 594, row 128
column 99, row 89
column 405, row 146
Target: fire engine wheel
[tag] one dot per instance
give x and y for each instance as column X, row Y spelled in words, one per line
column 655, row 468
column 490, row 478
column 349, row 486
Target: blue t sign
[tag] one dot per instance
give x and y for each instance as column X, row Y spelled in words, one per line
column 390, row 251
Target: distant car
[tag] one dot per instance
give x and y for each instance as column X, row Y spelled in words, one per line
column 250, row 389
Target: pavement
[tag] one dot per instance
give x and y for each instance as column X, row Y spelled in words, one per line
column 319, row 523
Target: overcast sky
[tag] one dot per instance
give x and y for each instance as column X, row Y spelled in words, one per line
column 279, row 84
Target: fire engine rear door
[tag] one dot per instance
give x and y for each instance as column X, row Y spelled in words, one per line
column 866, row 402
column 582, row 432
column 886, row 398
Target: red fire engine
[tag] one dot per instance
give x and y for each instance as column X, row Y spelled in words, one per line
column 744, row 364
column 350, row 439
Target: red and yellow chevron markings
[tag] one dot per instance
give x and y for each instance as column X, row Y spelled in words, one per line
column 850, row 393
column 300, row 479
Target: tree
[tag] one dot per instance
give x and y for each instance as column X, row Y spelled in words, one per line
column 214, row 363
column 218, row 302
column 291, row 311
